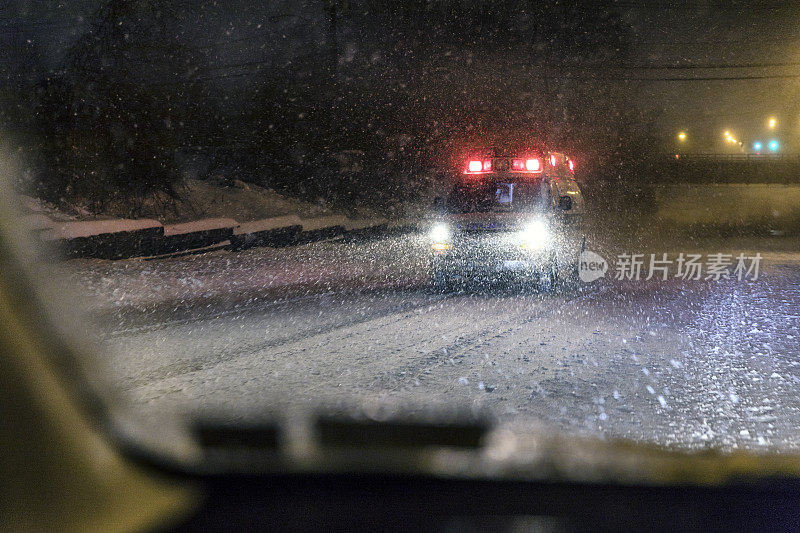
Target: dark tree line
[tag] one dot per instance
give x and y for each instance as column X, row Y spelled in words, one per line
column 401, row 88
column 127, row 98
column 447, row 74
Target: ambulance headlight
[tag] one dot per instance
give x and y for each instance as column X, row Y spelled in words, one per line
column 440, row 233
column 535, row 235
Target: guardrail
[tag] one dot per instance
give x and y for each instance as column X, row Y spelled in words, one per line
column 278, row 231
column 196, row 234
column 104, row 239
column 321, row 228
column 121, row 239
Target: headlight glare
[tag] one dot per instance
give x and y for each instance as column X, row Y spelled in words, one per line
column 535, row 235
column 440, row 233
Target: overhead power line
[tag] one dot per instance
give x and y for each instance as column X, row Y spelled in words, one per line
column 712, row 66
column 696, row 66
column 716, row 42
column 27, row 23
column 677, row 78
column 692, row 5
column 589, row 78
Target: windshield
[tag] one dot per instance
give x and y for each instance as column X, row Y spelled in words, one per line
column 256, row 204
column 496, row 197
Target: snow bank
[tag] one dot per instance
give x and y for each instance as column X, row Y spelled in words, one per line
column 361, row 224
column 37, row 222
column 268, row 224
column 96, row 228
column 243, row 204
column 321, row 223
column 200, row 226
column 203, row 281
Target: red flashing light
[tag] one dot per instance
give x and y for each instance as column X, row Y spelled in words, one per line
column 526, row 165
column 553, row 160
column 479, row 167
column 571, row 164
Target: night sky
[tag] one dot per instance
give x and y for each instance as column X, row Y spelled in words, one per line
column 762, row 38
column 754, row 33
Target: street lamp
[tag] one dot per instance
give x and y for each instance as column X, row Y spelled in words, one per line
column 728, row 137
column 772, row 123
column 773, row 145
column 682, row 136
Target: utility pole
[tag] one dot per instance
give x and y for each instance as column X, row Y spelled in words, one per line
column 331, row 23
column 332, row 44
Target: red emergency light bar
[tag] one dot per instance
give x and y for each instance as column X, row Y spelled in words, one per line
column 528, row 165
column 476, row 166
column 533, row 164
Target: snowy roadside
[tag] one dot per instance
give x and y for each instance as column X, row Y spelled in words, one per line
column 197, row 200
column 221, row 280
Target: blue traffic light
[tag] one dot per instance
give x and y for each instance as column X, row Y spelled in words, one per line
column 773, row 146
column 757, row 146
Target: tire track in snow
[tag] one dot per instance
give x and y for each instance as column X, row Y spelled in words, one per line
column 205, row 360
column 343, row 359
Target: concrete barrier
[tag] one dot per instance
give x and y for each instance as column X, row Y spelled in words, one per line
column 403, row 225
column 195, row 234
column 119, row 239
column 277, row 231
column 729, row 206
column 104, row 239
column 357, row 224
column 364, row 227
column 321, row 228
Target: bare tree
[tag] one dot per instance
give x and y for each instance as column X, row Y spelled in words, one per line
column 129, row 96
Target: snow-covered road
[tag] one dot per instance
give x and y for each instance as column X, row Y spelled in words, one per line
column 688, row 364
